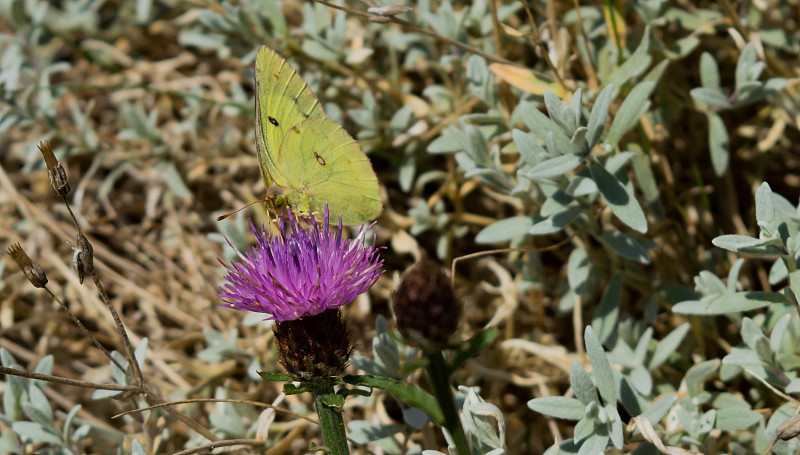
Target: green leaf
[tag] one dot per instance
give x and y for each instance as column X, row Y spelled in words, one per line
column 668, row 345
column 736, row 419
column 698, row 374
column 641, row 379
column 530, row 150
column 730, row 303
column 635, row 65
column 582, row 384
column 292, row 389
column 713, row 97
column 626, row 245
column 407, row 393
column 553, row 167
column 578, row 268
column 597, row 119
column 601, row 367
column 473, row 347
column 594, row 445
column 709, row 71
column 765, row 208
column 630, row 110
column 656, row 411
column 555, row 222
column 540, row 125
column 505, row 230
column 275, row 377
column 558, row 407
column 333, row 400
column 778, row 332
column 560, row 113
column 717, row 143
column 36, row 433
column 607, row 315
column 585, row 428
column 749, row 245
column 619, row 197
column 746, row 61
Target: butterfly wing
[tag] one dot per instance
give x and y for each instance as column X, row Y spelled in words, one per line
column 283, row 99
column 323, row 164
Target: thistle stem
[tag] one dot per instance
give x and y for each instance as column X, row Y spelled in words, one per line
column 439, row 378
column 331, row 420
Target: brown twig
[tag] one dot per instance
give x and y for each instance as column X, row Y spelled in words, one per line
column 219, row 400
column 537, row 41
column 68, row 381
column 88, row 334
column 415, row 28
column 591, row 65
column 226, row 443
column 137, row 371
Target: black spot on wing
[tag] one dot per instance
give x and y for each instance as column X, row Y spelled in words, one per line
column 320, row 159
column 273, row 121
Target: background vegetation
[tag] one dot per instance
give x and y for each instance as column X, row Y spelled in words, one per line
column 149, row 105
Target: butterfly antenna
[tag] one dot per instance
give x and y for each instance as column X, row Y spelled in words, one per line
column 222, row 217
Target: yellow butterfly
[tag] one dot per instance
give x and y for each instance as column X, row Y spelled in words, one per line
column 308, row 160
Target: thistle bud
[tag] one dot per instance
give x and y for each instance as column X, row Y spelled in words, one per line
column 58, row 175
column 316, row 346
column 32, row 270
column 425, row 307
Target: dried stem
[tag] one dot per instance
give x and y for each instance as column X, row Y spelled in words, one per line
column 415, row 28
column 537, row 41
column 590, row 64
column 137, row 371
column 88, row 334
column 68, row 381
column 226, row 443
column 219, row 400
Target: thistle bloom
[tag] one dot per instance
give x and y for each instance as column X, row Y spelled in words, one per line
column 300, row 272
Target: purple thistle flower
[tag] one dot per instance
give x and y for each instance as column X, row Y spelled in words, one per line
column 300, row 272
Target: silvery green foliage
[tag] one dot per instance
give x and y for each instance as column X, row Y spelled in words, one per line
column 768, row 354
column 594, row 406
column 27, row 412
column 233, row 420
column 483, row 425
column 712, row 98
column 390, row 360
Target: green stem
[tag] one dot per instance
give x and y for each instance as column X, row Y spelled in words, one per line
column 331, row 420
column 439, row 378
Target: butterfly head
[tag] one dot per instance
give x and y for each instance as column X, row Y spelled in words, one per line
column 275, row 199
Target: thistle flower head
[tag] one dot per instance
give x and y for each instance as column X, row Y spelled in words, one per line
column 300, row 272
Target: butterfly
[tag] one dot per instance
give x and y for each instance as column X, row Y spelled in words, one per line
column 308, row 160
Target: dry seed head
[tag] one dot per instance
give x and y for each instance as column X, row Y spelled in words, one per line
column 789, row 429
column 56, row 172
column 83, row 256
column 425, row 307
column 32, row 270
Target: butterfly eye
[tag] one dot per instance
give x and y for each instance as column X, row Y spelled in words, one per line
column 279, row 202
